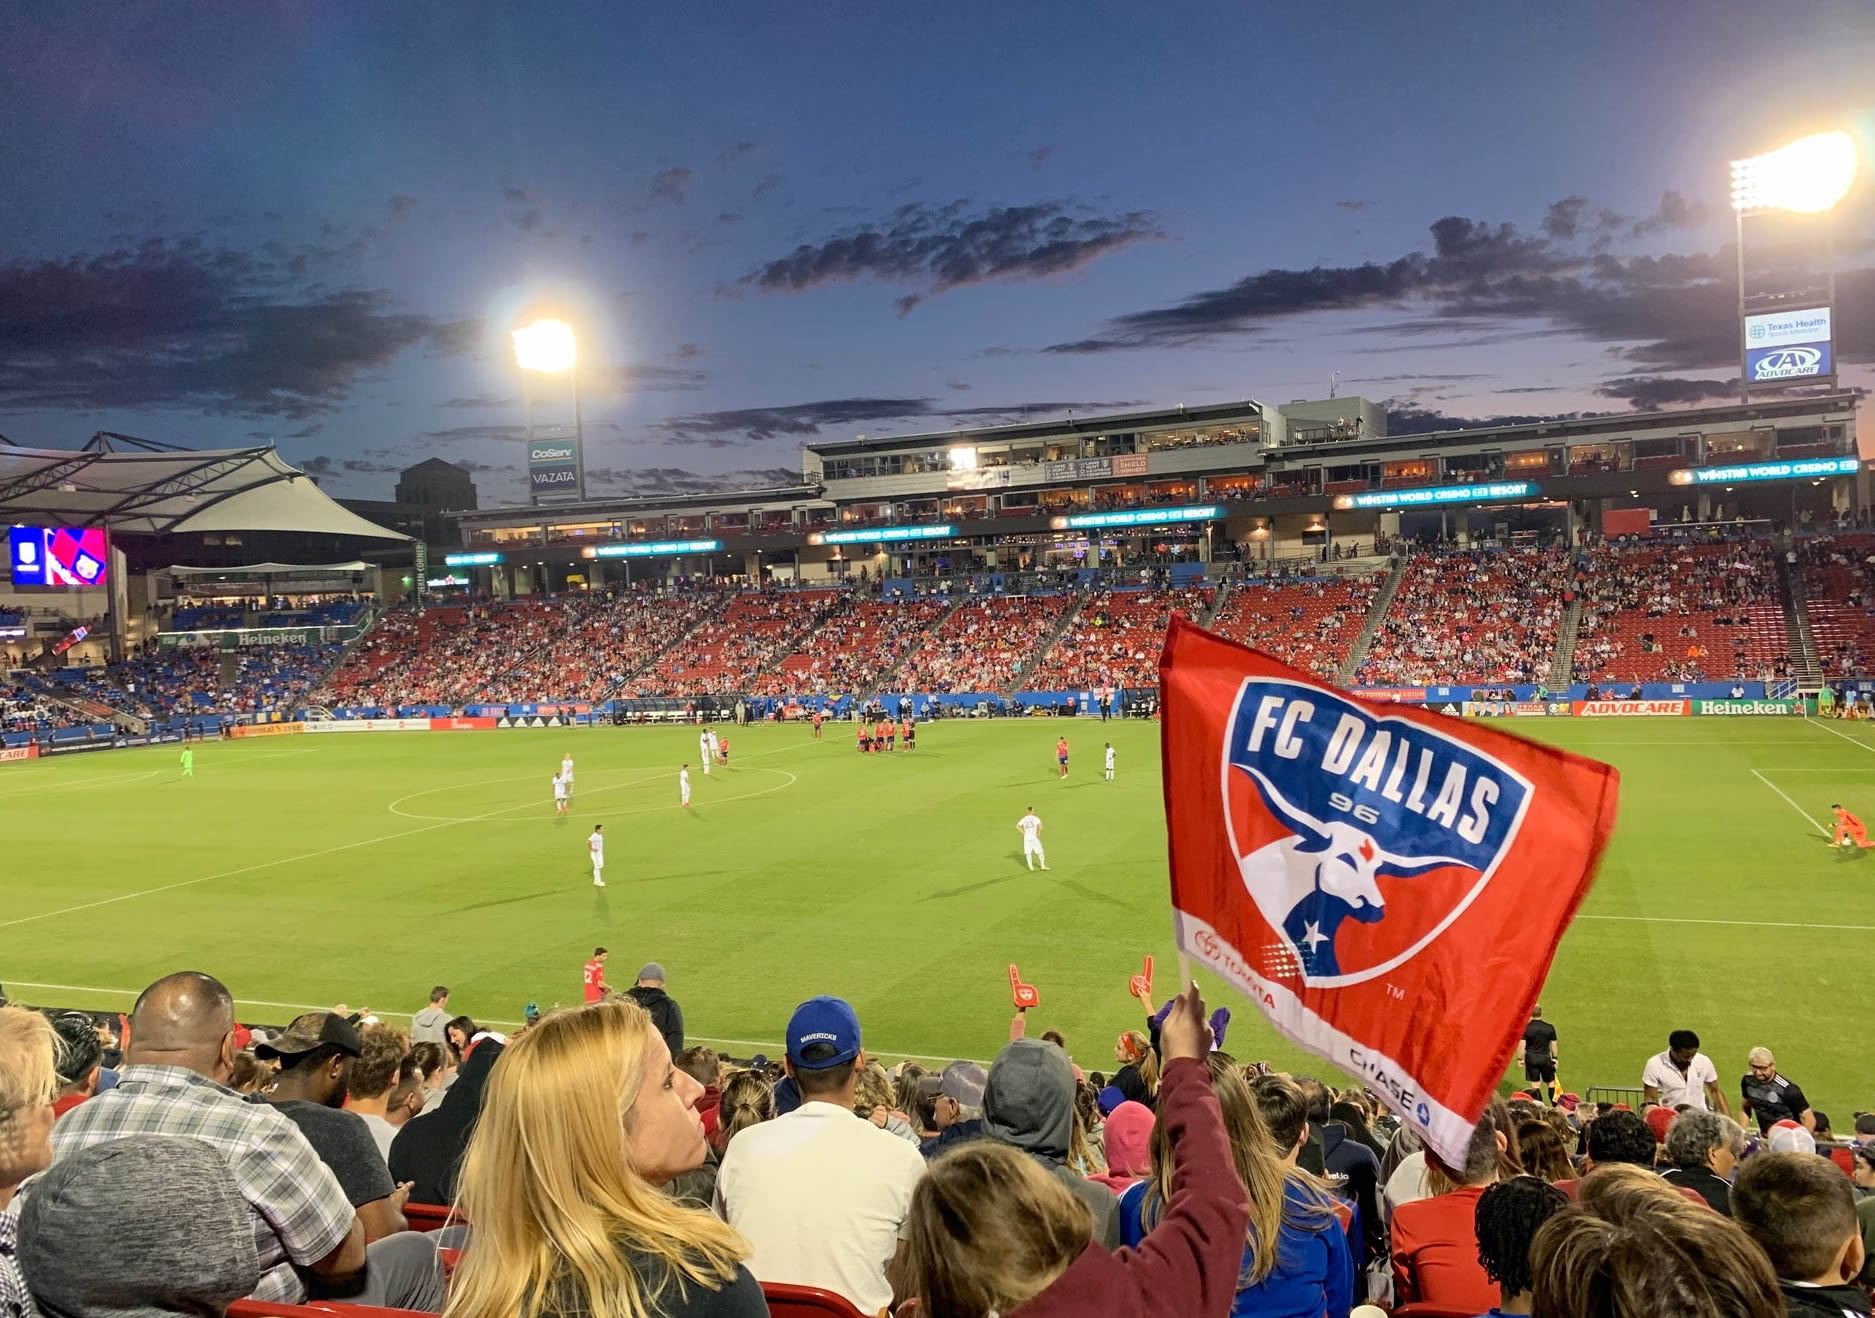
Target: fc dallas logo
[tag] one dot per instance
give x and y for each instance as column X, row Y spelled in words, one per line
column 1360, row 837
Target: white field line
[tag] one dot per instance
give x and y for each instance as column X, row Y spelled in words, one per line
column 1793, row 805
column 1853, row 741
column 1743, row 924
column 777, row 1048
column 326, row 851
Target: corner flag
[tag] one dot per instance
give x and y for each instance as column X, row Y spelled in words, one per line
column 1387, row 884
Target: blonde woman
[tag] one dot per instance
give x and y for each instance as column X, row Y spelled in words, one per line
column 29, row 1081
column 876, row 1101
column 583, row 1120
column 1296, row 1262
column 748, row 1100
column 1138, row 1076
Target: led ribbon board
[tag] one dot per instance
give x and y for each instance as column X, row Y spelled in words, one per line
column 1440, row 495
column 1799, row 469
column 654, row 549
column 1141, row 517
column 884, row 534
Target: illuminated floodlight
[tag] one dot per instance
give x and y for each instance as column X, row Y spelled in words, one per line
column 963, row 459
column 1808, row 176
column 548, row 346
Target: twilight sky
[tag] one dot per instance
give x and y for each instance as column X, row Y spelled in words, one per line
column 312, row 224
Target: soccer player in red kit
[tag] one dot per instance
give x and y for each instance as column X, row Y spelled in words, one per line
column 817, row 717
column 596, row 987
column 1847, row 827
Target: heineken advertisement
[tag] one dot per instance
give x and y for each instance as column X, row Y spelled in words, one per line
column 235, row 638
column 1747, row 707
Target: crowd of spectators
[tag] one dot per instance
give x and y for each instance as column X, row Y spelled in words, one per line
column 982, row 644
column 855, row 644
column 446, row 655
column 605, row 639
column 727, row 651
column 1307, row 622
column 1838, row 573
column 1115, row 639
column 1679, row 613
column 183, row 681
column 594, row 1161
column 1479, row 615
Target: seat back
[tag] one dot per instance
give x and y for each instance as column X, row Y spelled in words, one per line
column 785, row 1301
column 432, row 1217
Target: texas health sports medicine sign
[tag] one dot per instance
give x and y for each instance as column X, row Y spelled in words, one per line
column 1788, row 345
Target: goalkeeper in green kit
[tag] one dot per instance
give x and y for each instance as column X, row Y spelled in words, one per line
column 188, row 762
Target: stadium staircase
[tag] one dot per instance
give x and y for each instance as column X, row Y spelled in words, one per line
column 1364, row 639
column 1020, row 681
column 656, row 657
column 1217, row 603
column 883, row 682
column 1562, row 665
column 792, row 643
column 1798, row 634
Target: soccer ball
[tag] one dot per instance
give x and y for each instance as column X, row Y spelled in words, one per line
column 1846, row 842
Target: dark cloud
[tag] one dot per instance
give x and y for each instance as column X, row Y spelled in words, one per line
column 689, row 352
column 768, row 184
column 1674, row 212
column 947, row 247
column 478, row 400
column 957, row 386
column 500, row 434
column 732, row 154
column 1039, row 157
column 1491, row 284
column 649, row 378
column 319, row 464
column 655, row 481
column 185, row 325
column 1650, row 393
column 519, row 196
column 1352, row 205
column 755, row 424
column 1414, row 420
column 365, row 467
column 640, row 238
column 401, row 204
column 669, row 184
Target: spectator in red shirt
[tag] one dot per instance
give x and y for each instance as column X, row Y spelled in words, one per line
column 1435, row 1241
column 594, row 976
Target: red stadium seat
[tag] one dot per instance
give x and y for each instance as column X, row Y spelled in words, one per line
column 805, row 1302
column 431, row 1217
column 1844, row 1157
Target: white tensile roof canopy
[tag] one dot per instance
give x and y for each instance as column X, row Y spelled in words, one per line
column 158, row 490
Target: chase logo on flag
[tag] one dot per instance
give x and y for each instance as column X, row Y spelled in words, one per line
column 1360, row 837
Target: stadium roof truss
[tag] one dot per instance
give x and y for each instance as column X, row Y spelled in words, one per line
column 158, row 489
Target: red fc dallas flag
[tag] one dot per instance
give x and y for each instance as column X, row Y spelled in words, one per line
column 1388, row 884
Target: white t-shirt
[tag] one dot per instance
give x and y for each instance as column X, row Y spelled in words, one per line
column 559, row 789
column 821, row 1195
column 1675, row 1088
column 1031, row 830
column 712, row 741
column 381, row 1130
column 566, row 768
column 595, row 843
column 683, row 779
column 1109, row 757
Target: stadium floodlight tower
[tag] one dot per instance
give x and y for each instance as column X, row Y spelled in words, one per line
column 1806, row 177
column 549, row 347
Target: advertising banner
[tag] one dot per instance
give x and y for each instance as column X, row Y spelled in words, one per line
column 1505, row 709
column 1781, row 346
column 1629, row 708
column 1413, row 695
column 14, row 754
column 461, row 724
column 553, row 468
column 366, row 725
column 1735, row 707
column 266, row 729
column 1130, row 464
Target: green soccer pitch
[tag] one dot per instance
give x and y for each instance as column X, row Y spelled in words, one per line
column 313, row 869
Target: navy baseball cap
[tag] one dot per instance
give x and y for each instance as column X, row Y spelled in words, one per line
column 823, row 1020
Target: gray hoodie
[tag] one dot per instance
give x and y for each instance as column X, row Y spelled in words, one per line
column 140, row 1227
column 1029, row 1104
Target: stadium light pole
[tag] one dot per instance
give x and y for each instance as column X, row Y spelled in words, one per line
column 1806, row 177
column 550, row 347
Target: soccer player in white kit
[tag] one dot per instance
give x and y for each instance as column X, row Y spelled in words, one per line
column 1109, row 761
column 1031, row 828
column 566, row 772
column 715, row 749
column 683, row 783
column 559, row 796
column 595, row 844
column 703, row 749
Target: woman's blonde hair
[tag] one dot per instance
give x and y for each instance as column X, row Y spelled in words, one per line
column 988, row 1230
column 29, row 1072
column 557, row 1210
column 1139, row 1050
column 875, row 1091
column 748, row 1099
column 1278, row 1191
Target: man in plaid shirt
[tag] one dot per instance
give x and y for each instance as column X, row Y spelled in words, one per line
column 181, row 1051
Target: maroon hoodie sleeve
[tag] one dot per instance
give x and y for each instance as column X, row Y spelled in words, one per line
column 1188, row 1264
